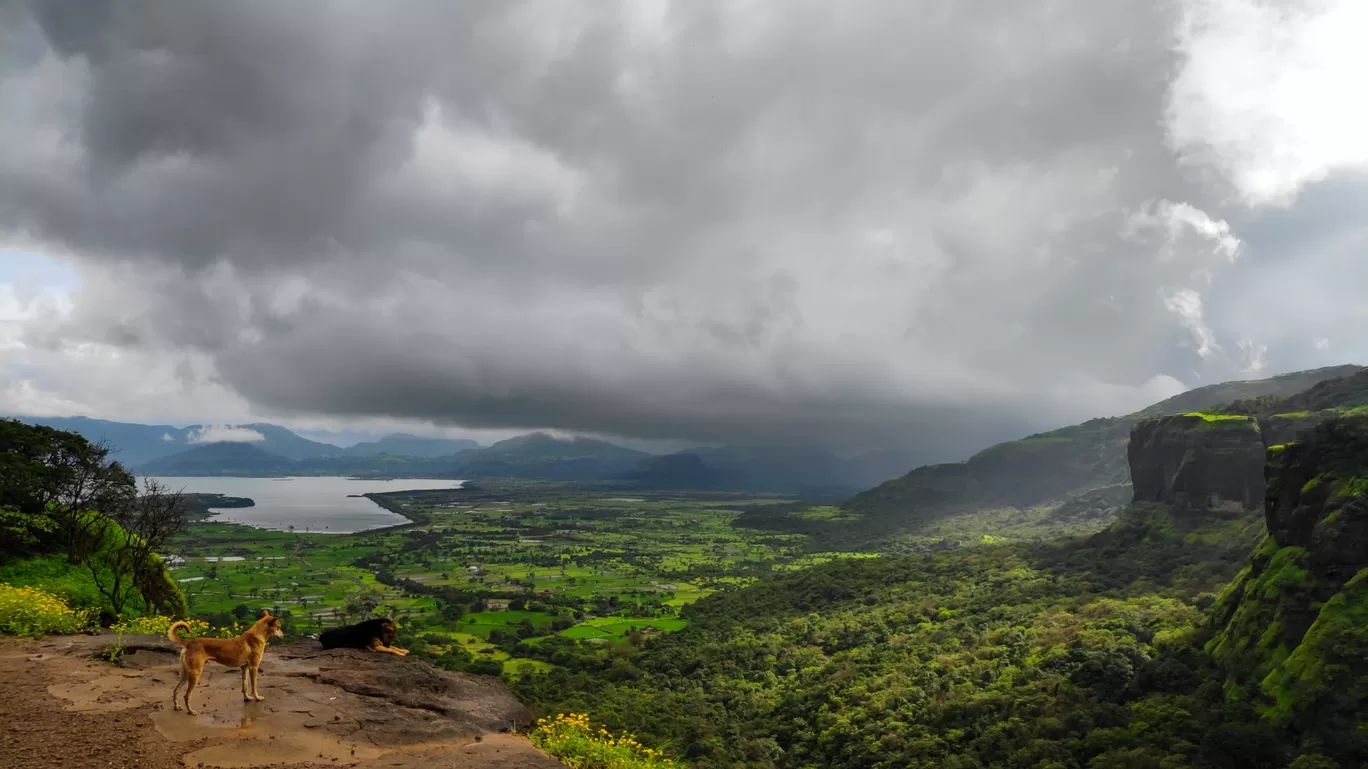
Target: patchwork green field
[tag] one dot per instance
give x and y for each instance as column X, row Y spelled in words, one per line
column 508, row 575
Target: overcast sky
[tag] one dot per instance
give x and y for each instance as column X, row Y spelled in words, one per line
column 859, row 224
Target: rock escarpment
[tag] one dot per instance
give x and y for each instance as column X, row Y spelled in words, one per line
column 1291, row 630
column 1055, row 467
column 1198, row 462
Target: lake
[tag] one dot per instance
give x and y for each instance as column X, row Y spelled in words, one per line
column 308, row 504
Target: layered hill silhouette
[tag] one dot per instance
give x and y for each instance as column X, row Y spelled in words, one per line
column 1057, row 467
column 170, row 451
column 1082, row 466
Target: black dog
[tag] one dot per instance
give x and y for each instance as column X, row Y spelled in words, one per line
column 376, row 635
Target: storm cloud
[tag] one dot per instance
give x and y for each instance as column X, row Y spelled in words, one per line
column 913, row 225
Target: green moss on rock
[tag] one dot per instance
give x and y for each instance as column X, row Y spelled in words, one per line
column 1291, row 630
column 1331, row 659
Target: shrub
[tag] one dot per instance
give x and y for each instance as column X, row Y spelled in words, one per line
column 28, row 611
column 158, row 626
column 571, row 738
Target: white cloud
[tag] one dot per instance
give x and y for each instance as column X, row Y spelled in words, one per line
column 1254, row 356
column 167, row 437
column 225, row 434
column 1177, row 220
column 1322, row 343
column 1187, row 305
column 1270, row 94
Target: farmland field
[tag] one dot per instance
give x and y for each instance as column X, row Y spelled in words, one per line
column 506, row 577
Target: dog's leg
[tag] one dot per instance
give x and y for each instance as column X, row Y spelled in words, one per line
column 175, row 693
column 245, row 696
column 376, row 645
column 193, row 681
column 256, row 675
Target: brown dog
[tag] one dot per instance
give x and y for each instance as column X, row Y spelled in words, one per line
column 243, row 652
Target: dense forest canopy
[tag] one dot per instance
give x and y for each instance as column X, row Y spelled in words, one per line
column 1130, row 648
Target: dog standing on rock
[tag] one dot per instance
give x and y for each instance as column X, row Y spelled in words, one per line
column 243, row 652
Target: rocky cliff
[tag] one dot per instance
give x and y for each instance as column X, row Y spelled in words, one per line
column 1198, row 461
column 1053, row 467
column 1291, row 631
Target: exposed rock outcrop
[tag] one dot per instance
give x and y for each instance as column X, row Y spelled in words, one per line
column 1283, row 428
column 336, row 707
column 1290, row 629
column 1058, row 465
column 1198, row 461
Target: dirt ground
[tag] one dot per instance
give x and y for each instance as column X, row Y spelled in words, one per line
column 61, row 708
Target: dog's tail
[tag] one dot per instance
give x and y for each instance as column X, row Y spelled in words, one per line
column 171, row 631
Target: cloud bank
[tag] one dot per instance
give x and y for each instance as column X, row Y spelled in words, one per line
column 914, row 225
column 224, row 434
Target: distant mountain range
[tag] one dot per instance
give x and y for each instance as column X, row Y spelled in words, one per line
column 543, row 457
column 1047, row 467
column 405, row 445
column 136, row 444
column 266, row 450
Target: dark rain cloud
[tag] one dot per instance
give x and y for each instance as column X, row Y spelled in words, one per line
column 920, row 225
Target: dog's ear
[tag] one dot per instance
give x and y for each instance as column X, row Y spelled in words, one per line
column 265, row 612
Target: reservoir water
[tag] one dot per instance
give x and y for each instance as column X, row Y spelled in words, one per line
column 317, row 504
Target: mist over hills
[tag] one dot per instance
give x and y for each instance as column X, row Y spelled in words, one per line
column 136, row 444
column 405, row 445
column 1050, row 466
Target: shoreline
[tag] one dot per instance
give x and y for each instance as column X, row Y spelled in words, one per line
column 379, row 498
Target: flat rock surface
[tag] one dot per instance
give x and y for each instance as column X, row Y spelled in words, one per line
column 322, row 708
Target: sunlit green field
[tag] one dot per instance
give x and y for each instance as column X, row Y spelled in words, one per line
column 586, row 566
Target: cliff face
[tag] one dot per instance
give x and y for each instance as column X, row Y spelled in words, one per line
column 1054, row 466
column 1291, row 630
column 1198, row 461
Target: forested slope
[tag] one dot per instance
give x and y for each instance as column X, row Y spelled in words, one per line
column 1067, row 481
column 1103, row 652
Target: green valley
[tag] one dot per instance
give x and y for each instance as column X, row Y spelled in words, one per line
column 494, row 571
column 1183, row 591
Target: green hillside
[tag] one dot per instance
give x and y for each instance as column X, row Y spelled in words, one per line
column 539, row 455
column 1170, row 640
column 221, row 459
column 76, row 525
column 1044, row 470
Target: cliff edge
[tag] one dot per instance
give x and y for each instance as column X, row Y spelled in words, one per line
column 1291, row 631
column 1198, row 461
column 69, row 708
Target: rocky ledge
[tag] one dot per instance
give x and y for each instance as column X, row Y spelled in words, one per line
column 336, row 707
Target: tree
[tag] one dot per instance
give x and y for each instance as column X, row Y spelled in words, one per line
column 58, row 476
column 122, row 552
column 20, row 531
column 363, row 604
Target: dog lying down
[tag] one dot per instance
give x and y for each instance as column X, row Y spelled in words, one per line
column 243, row 652
column 377, row 635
